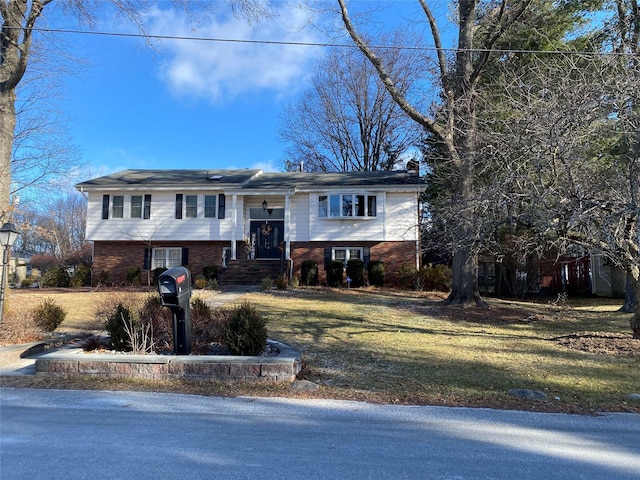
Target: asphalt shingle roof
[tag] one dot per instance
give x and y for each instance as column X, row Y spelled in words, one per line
column 252, row 179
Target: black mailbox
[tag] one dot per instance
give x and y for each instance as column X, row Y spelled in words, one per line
column 174, row 287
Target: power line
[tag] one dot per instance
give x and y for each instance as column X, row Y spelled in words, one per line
column 322, row 44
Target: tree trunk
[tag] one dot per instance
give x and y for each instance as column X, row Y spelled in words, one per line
column 7, row 128
column 635, row 320
column 629, row 297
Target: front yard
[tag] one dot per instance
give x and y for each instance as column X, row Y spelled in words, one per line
column 405, row 347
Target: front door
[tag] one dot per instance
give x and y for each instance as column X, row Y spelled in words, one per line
column 268, row 236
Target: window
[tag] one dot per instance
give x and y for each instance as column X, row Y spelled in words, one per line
column 345, row 254
column 209, row 206
column 347, row 205
column 166, row 258
column 136, row 206
column 117, row 207
column 191, row 202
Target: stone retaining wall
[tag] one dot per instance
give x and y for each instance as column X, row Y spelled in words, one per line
column 226, row 368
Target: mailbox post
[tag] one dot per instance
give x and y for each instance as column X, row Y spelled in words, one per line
column 174, row 287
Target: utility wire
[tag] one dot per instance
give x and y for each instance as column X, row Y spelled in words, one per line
column 321, row 44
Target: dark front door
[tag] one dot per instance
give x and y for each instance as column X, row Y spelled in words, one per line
column 268, row 237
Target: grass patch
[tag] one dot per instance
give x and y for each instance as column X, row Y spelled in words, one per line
column 405, row 347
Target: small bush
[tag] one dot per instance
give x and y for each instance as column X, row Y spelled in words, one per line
column 133, row 276
column 282, row 283
column 267, row 284
column 247, row 332
column 355, row 271
column 334, row 273
column 210, row 272
column 212, row 284
column 104, row 278
column 159, row 317
column 200, row 282
column 116, row 326
column 309, row 273
column 409, row 277
column 81, row 276
column 156, row 273
column 28, row 281
column 49, row 315
column 375, row 272
column 56, row 276
column 436, row 277
column 294, row 282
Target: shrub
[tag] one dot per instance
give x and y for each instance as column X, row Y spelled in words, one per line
column 267, row 284
column 247, row 332
column 56, row 276
column 49, row 315
column 355, row 271
column 334, row 273
column 156, row 273
column 81, row 276
column 309, row 273
column 212, row 284
column 436, row 277
column 375, row 272
column 200, row 282
column 104, row 278
column 207, row 325
column 210, row 272
column 159, row 317
column 133, row 276
column 294, row 282
column 282, row 282
column 28, row 281
column 409, row 278
column 116, row 326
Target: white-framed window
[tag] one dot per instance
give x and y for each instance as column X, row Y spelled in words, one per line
column 209, row 206
column 136, row 206
column 167, row 257
column 347, row 205
column 191, row 206
column 345, row 254
column 117, row 207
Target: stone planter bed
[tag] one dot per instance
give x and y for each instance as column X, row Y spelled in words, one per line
column 226, row 368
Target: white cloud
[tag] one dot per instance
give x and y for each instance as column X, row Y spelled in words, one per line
column 223, row 71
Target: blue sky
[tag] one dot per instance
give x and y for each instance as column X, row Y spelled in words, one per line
column 192, row 104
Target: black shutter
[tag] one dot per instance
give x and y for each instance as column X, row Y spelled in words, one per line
column 105, row 207
column 146, row 264
column 366, row 256
column 221, row 205
column 327, row 257
column 147, row 207
column 185, row 257
column 178, row 205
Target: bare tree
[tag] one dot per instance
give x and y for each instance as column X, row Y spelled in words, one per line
column 455, row 128
column 347, row 121
column 20, row 19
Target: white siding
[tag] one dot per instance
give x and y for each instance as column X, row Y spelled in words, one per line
column 162, row 225
column 300, row 216
column 396, row 220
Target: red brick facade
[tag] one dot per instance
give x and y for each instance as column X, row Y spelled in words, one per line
column 117, row 257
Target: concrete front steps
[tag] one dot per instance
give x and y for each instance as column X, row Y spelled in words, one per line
column 249, row 272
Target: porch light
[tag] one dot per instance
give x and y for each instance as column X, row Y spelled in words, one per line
column 264, row 204
column 8, row 235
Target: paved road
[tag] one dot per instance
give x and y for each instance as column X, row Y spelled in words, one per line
column 54, row 434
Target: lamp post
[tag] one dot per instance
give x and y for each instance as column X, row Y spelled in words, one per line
column 8, row 234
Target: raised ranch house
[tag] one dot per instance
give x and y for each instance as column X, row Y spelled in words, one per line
column 250, row 222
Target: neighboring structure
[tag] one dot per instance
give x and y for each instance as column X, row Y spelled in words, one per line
column 163, row 218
